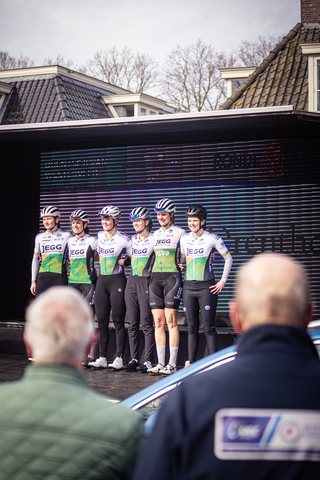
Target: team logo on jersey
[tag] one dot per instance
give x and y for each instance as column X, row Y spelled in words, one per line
column 194, row 251
column 77, row 252
column 207, row 307
column 106, row 251
column 48, row 248
column 135, row 251
column 162, row 241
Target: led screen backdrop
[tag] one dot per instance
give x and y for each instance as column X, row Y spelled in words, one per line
column 260, row 195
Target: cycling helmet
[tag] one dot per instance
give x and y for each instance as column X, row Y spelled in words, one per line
column 165, row 205
column 50, row 211
column 110, row 211
column 79, row 215
column 196, row 211
column 140, row 212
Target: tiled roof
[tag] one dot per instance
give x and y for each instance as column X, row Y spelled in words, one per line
column 282, row 78
column 52, row 98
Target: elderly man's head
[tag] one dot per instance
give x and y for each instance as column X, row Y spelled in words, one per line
column 271, row 289
column 59, row 327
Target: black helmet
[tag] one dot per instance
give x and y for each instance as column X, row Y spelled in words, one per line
column 196, row 211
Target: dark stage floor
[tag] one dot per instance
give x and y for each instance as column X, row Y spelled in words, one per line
column 118, row 385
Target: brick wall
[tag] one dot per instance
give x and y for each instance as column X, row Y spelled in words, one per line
column 310, row 11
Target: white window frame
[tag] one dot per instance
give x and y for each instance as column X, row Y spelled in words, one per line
column 312, row 50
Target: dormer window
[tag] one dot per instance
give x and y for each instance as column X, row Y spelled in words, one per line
column 5, row 89
column 235, row 76
column 124, row 110
column 312, row 50
column 134, row 105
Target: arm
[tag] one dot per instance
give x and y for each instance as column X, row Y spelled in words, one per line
column 228, row 260
column 36, row 260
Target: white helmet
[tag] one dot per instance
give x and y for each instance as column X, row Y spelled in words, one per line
column 50, row 211
column 140, row 212
column 80, row 215
column 110, row 211
column 165, row 205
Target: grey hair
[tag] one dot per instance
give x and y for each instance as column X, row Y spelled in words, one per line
column 59, row 326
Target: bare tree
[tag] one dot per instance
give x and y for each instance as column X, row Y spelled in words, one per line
column 63, row 62
column 7, row 62
column 192, row 80
column 251, row 54
column 132, row 71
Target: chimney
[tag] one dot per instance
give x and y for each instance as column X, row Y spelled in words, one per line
column 310, row 11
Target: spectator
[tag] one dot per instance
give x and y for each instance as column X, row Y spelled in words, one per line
column 257, row 417
column 52, row 425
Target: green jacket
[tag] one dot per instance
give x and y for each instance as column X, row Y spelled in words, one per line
column 53, row 426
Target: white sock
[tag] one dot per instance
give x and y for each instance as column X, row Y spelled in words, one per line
column 161, row 353
column 173, row 356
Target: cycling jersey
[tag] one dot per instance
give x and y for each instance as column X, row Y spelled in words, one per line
column 81, row 258
column 50, row 253
column 111, row 251
column 142, row 255
column 198, row 253
column 167, row 249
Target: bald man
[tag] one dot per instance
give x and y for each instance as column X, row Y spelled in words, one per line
column 257, row 417
column 53, row 426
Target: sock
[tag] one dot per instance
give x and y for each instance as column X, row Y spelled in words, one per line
column 161, row 353
column 173, row 356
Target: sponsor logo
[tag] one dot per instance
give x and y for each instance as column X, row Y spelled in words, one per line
column 179, row 292
column 152, row 303
column 170, row 303
column 161, row 253
column 135, row 251
column 162, row 241
column 243, row 430
column 77, row 252
column 106, row 251
column 184, row 309
column 48, row 248
column 207, row 307
column 194, row 251
column 119, row 290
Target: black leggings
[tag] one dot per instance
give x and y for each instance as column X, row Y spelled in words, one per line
column 47, row 280
column 87, row 290
column 197, row 296
column 110, row 296
column 138, row 309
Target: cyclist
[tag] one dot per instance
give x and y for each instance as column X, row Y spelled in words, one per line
column 166, row 286
column 48, row 266
column 112, row 246
column 137, row 289
column 81, row 253
column 200, row 291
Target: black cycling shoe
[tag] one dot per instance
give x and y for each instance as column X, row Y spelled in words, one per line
column 132, row 365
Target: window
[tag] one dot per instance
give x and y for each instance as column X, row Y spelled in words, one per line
column 312, row 50
column 124, row 110
column 143, row 111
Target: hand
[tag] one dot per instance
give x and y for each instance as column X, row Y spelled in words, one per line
column 216, row 289
column 181, row 266
column 122, row 260
column 33, row 287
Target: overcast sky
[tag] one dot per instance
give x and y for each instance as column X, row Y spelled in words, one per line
column 77, row 29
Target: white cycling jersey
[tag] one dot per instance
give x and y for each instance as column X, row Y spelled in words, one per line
column 49, row 252
column 81, row 258
column 111, row 251
column 142, row 255
column 167, row 249
column 198, row 255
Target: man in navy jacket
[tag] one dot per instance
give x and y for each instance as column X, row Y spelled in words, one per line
column 257, row 417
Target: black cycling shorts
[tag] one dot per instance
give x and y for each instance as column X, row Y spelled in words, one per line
column 165, row 290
